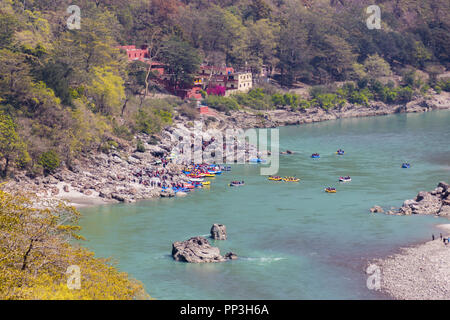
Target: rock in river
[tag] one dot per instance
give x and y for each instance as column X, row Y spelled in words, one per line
column 231, row 256
column 377, row 209
column 219, row 232
column 196, row 250
column 434, row 202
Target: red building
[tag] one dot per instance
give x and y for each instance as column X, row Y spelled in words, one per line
column 208, row 77
column 143, row 55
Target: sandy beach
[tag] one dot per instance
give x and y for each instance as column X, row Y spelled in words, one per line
column 418, row 273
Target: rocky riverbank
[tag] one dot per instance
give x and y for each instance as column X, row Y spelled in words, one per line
column 435, row 202
column 418, row 273
column 127, row 175
column 277, row 118
column 124, row 175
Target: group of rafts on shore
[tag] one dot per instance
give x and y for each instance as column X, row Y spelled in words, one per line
column 197, row 175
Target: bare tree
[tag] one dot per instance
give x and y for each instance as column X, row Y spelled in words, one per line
column 154, row 47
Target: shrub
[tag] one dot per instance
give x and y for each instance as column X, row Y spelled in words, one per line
column 146, row 122
column 404, row 94
column 425, row 89
column 188, row 111
column 288, row 99
column 389, row 95
column 316, row 91
column 153, row 141
column 255, row 99
column 362, row 83
column 140, row 146
column 217, row 91
column 304, row 104
column 122, row 132
column 257, row 93
column 277, row 99
column 361, row 97
column 109, row 145
column 151, row 120
column 442, row 85
column 164, row 115
column 222, row 103
column 49, row 161
column 329, row 100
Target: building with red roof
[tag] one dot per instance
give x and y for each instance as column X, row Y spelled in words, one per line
column 208, row 77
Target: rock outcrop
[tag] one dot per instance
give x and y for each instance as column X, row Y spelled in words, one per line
column 377, row 209
column 198, row 250
column 231, row 256
column 436, row 202
column 219, row 232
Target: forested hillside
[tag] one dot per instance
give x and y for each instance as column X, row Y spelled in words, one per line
column 67, row 92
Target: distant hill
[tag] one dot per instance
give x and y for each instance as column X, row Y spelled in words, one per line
column 66, row 91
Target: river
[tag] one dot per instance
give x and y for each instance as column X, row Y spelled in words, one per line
column 294, row 240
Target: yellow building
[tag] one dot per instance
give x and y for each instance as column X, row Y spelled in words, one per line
column 239, row 82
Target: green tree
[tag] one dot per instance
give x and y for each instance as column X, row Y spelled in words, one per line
column 107, row 91
column 262, row 44
column 12, row 147
column 49, row 161
column 182, row 61
column 377, row 67
column 258, row 9
column 8, row 25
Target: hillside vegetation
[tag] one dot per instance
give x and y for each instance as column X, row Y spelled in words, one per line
column 65, row 93
column 35, row 256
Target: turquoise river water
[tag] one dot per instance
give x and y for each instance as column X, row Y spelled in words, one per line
column 294, row 240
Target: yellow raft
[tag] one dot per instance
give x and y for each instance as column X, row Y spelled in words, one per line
column 206, row 183
column 329, row 190
column 208, row 175
column 275, row 178
column 291, row 179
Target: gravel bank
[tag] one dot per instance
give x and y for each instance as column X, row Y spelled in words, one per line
column 418, row 273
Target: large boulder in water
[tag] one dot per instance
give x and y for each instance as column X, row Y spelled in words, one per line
column 219, row 232
column 196, row 250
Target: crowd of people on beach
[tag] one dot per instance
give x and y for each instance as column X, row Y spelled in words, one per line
column 155, row 177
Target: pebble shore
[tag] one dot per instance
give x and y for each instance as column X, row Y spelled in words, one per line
column 418, row 273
